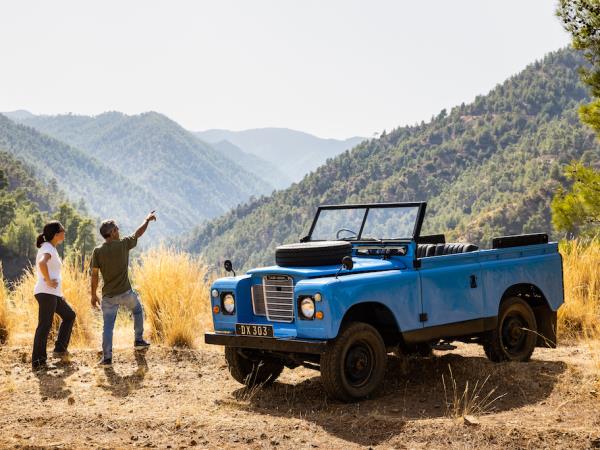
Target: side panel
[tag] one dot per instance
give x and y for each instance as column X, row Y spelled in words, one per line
column 539, row 265
column 451, row 288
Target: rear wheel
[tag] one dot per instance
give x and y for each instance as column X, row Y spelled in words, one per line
column 251, row 372
column 353, row 366
column 515, row 335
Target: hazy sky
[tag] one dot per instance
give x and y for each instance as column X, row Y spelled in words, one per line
column 332, row 68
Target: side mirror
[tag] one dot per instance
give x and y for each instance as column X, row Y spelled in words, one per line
column 228, row 266
column 347, row 263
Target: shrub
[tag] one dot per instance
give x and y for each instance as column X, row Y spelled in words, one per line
column 174, row 288
column 5, row 323
column 579, row 317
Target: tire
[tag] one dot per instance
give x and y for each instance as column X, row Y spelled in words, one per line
column 515, row 336
column 353, row 366
column 249, row 372
column 326, row 253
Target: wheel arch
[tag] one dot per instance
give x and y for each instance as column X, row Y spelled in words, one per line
column 545, row 317
column 377, row 315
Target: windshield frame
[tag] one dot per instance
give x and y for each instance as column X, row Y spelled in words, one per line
column 368, row 206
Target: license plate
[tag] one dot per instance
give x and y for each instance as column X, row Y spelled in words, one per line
column 253, row 330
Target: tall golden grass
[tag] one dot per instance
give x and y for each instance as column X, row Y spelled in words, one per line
column 579, row 317
column 174, row 288
column 5, row 322
column 75, row 290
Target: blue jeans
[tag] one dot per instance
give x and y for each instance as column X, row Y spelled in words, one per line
column 110, row 307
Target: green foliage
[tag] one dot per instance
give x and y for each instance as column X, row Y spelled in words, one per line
column 20, row 235
column 26, row 204
column 486, row 169
column 577, row 210
column 581, row 18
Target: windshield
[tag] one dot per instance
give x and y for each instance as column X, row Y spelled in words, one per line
column 381, row 222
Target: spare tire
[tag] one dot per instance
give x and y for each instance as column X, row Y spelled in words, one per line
column 322, row 253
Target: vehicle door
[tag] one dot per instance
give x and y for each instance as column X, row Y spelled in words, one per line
column 451, row 290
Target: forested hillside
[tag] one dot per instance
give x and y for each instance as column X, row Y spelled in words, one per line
column 26, row 203
column 168, row 162
column 487, row 168
column 84, row 179
column 294, row 153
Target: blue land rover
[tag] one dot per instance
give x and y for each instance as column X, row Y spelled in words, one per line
column 364, row 282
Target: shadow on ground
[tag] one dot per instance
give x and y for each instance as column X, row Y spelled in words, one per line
column 413, row 389
column 53, row 382
column 122, row 386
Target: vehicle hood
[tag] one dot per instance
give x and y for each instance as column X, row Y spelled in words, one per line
column 361, row 264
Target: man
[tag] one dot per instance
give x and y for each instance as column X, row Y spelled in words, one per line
column 112, row 260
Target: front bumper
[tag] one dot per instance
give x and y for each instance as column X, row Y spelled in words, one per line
column 274, row 344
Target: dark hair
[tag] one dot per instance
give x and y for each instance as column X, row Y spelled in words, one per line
column 50, row 230
column 106, row 228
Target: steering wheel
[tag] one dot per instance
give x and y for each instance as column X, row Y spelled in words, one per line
column 337, row 235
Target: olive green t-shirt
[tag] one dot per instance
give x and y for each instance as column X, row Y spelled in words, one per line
column 112, row 258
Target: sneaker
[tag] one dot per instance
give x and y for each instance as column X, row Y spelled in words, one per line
column 141, row 345
column 105, row 362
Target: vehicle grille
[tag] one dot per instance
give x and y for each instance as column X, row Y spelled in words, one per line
column 258, row 300
column 278, row 292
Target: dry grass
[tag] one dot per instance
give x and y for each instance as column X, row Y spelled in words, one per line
column 75, row 290
column 174, row 288
column 579, row 317
column 5, row 320
column 471, row 400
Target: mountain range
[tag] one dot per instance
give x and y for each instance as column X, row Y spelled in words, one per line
column 295, row 153
column 487, row 168
column 148, row 161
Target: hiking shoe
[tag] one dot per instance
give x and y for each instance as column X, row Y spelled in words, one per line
column 141, row 345
column 63, row 356
column 105, row 362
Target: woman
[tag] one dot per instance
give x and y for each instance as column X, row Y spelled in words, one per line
column 48, row 293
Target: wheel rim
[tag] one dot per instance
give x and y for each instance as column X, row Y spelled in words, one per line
column 514, row 334
column 358, row 364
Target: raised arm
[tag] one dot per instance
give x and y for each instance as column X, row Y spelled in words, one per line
column 142, row 228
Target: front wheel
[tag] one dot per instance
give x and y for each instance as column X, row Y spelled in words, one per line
column 354, row 365
column 515, row 336
column 252, row 372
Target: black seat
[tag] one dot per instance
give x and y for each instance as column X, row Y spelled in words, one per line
column 426, row 250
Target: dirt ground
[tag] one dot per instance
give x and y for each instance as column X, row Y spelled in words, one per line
column 168, row 398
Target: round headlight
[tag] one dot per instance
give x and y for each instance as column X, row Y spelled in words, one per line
column 307, row 306
column 214, row 293
column 229, row 303
column 318, row 297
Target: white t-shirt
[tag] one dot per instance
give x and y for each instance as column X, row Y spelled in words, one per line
column 54, row 268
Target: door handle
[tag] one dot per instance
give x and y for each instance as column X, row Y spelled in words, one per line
column 473, row 279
